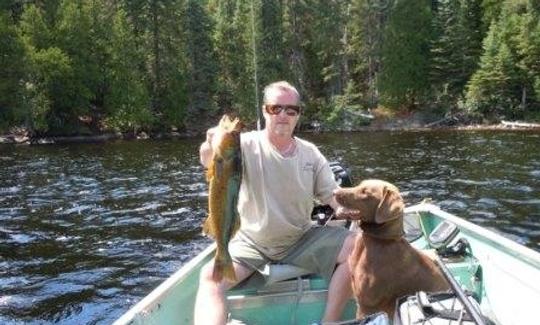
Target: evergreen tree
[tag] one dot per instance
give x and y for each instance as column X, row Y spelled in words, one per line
column 49, row 72
column 12, row 64
column 315, row 38
column 456, row 48
column 528, row 50
column 271, row 58
column 366, row 23
column 72, row 34
column 224, row 42
column 158, row 35
column 507, row 74
column 492, row 10
column 233, row 41
column 127, row 99
column 294, row 47
column 201, row 61
column 328, row 40
column 405, row 60
column 490, row 88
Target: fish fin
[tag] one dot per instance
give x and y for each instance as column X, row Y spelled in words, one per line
column 208, row 227
column 223, row 266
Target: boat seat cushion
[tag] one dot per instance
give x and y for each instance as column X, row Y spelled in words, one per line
column 274, row 272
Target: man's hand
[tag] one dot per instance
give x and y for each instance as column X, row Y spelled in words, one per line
column 207, row 147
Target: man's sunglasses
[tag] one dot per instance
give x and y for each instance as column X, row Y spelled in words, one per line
column 275, row 109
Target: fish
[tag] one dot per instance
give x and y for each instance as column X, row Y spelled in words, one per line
column 224, row 176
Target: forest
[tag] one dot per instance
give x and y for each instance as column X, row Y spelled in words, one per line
column 92, row 66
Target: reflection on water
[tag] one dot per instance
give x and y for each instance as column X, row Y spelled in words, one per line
column 87, row 230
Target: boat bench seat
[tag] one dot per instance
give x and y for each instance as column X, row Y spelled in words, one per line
column 275, row 272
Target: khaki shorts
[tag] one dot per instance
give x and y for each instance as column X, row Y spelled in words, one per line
column 316, row 251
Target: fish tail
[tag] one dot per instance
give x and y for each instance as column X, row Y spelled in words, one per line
column 223, row 266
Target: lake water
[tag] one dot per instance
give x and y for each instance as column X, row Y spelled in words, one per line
column 87, row 230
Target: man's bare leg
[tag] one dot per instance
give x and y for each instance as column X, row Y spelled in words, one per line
column 210, row 305
column 339, row 289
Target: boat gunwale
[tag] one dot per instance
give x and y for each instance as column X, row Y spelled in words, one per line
column 154, row 297
column 526, row 254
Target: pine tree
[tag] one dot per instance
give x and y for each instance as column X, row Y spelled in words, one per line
column 294, row 44
column 127, row 100
column 73, row 35
column 233, row 36
column 158, row 34
column 528, row 50
column 490, row 88
column 456, row 49
column 315, row 38
column 492, row 11
column 328, row 39
column 366, row 24
column 271, row 46
column 12, row 72
column 49, row 73
column 507, row 75
column 201, row 62
column 405, row 60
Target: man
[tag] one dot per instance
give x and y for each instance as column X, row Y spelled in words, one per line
column 282, row 175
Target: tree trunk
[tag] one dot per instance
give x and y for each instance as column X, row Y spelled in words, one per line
column 523, row 97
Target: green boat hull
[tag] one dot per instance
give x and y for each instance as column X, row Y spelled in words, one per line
column 503, row 275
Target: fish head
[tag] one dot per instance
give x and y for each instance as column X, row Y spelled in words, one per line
column 228, row 136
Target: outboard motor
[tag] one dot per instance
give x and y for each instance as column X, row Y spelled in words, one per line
column 322, row 213
column 341, row 174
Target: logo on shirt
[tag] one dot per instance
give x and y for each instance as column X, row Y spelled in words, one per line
column 309, row 167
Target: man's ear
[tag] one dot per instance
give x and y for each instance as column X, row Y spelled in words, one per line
column 390, row 207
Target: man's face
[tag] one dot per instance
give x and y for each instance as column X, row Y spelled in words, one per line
column 281, row 124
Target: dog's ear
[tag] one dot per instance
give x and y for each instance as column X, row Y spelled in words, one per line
column 390, row 207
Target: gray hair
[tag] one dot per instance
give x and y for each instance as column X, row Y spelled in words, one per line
column 282, row 86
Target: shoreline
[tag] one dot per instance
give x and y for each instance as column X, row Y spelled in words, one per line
column 24, row 139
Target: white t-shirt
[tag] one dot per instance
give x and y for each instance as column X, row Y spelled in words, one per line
column 277, row 193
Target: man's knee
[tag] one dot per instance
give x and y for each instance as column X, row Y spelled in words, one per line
column 206, row 277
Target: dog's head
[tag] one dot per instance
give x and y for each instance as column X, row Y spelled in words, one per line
column 373, row 201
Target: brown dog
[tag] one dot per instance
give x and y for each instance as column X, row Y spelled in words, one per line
column 384, row 266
